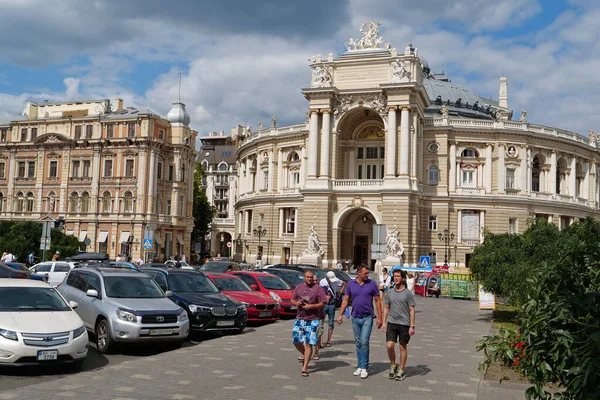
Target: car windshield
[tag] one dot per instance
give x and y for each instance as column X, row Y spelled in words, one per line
column 193, row 282
column 232, row 284
column 31, row 299
column 293, row 278
column 132, row 287
column 320, row 273
column 273, row 283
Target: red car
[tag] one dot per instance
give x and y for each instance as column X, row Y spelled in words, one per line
column 270, row 285
column 260, row 307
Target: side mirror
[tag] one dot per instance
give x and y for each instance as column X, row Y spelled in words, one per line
column 73, row 304
column 253, row 287
column 168, row 293
column 92, row 293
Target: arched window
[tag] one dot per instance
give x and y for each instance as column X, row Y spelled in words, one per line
column 293, row 170
column 128, row 202
column 19, row 202
column 293, row 157
column 30, row 202
column 73, row 200
column 85, row 202
column 223, row 166
column 469, row 153
column 579, row 176
column 535, row 175
column 106, row 202
column 434, row 175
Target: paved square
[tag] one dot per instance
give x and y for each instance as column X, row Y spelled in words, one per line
column 261, row 364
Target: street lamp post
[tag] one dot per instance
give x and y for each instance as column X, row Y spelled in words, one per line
column 244, row 250
column 268, row 249
column 260, row 233
column 222, row 241
column 446, row 238
column 455, row 256
column 292, row 253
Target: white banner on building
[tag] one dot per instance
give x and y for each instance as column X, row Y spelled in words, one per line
column 470, row 225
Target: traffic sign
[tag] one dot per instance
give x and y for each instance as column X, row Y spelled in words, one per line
column 425, row 262
column 147, row 243
column 229, row 244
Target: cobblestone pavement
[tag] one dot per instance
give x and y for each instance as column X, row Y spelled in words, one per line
column 261, row 364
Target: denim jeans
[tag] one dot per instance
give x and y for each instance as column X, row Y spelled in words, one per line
column 329, row 311
column 362, row 335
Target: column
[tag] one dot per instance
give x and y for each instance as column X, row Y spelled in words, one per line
column 351, row 163
column 573, row 178
column 271, row 169
column 459, row 227
column 413, row 153
column 325, row 170
column 280, row 222
column 391, row 142
column 586, row 180
column 501, row 169
column 452, row 172
column 488, row 168
column 10, row 201
column 552, row 173
column 302, row 166
column 96, row 170
column 481, row 225
column 404, row 141
column 247, row 223
column 280, row 179
column 295, row 222
column 313, row 144
column 528, row 171
column 523, row 170
column 141, row 182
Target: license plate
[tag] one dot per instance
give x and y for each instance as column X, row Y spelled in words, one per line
column 47, row 355
column 225, row 323
column 293, row 308
column 265, row 314
column 158, row 332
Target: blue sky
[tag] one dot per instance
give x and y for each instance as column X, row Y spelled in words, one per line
column 243, row 61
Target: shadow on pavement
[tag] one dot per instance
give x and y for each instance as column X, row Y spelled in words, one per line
column 331, row 354
column 326, row 365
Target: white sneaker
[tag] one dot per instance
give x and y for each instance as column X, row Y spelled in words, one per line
column 358, row 372
column 364, row 374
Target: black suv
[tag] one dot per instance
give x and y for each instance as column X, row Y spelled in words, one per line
column 208, row 309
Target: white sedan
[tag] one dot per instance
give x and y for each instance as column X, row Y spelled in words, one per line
column 38, row 326
column 53, row 271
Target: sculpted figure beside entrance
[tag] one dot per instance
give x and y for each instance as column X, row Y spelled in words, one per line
column 314, row 245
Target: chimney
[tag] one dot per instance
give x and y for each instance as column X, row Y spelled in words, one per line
column 31, row 110
column 503, row 98
column 118, row 106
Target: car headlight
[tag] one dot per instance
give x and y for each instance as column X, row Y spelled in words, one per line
column 78, row 332
column 195, row 308
column 275, row 296
column 126, row 316
column 183, row 316
column 8, row 334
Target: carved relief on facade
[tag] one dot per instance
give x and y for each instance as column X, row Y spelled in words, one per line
column 375, row 101
column 371, row 132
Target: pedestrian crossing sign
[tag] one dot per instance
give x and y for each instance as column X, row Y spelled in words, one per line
column 424, row 262
column 147, row 243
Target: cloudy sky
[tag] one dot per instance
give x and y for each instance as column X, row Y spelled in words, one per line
column 244, row 61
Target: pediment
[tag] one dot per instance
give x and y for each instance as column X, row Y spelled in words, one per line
column 53, row 155
column 108, row 153
column 52, row 137
column 130, row 153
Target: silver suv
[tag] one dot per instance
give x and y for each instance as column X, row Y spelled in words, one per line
column 124, row 306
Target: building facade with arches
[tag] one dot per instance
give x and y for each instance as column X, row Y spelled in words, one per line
column 112, row 173
column 386, row 141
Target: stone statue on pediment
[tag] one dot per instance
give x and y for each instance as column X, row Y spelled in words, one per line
column 523, row 116
column 370, row 39
column 260, row 126
column 400, row 73
column 273, row 122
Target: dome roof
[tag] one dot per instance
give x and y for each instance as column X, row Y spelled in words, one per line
column 178, row 116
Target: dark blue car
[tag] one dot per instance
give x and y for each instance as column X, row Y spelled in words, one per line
column 23, row 268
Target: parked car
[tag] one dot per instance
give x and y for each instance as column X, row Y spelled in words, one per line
column 7, row 271
column 270, row 285
column 53, row 272
column 179, row 264
column 290, row 276
column 121, row 264
column 23, row 268
column 220, row 266
column 38, row 326
column 208, row 310
column 124, row 306
column 260, row 307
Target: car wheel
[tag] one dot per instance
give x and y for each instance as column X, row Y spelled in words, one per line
column 104, row 341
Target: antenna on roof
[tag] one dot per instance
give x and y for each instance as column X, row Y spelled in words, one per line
column 179, row 99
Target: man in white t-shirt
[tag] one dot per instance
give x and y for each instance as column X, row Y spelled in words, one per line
column 9, row 257
column 139, row 261
column 333, row 287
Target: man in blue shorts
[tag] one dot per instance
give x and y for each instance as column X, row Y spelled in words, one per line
column 310, row 299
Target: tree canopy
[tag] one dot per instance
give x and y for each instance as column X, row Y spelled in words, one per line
column 203, row 210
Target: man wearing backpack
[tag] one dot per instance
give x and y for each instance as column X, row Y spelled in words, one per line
column 334, row 288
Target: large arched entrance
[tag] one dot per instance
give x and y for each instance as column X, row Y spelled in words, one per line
column 223, row 238
column 355, row 229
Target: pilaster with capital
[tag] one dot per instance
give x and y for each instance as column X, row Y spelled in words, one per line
column 271, row 169
column 152, row 181
column 313, row 144
column 573, row 178
column 501, row 168
column 586, row 180
column 488, row 167
column 552, row 175
column 280, row 177
column 141, row 181
column 325, row 170
column 391, row 143
column 404, row 141
column 453, row 169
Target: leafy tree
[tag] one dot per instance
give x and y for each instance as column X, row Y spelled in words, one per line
column 67, row 245
column 558, row 339
column 204, row 212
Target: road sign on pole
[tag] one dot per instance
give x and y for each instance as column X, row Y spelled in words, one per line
column 425, row 262
column 147, row 243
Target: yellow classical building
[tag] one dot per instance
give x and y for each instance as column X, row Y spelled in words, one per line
column 115, row 175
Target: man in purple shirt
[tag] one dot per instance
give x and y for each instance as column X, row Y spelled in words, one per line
column 363, row 291
column 310, row 299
